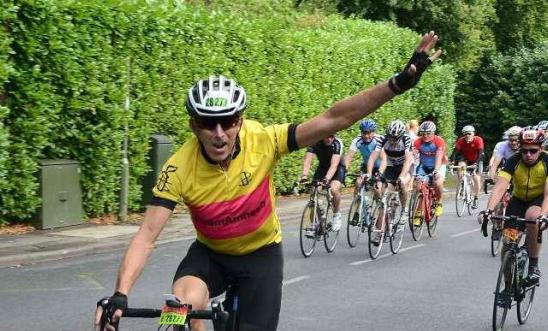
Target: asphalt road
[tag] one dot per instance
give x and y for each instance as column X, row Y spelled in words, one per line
column 440, row 283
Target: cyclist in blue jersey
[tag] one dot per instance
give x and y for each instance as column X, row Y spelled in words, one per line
column 365, row 143
column 430, row 149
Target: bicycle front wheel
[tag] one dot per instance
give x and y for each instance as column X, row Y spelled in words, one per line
column 376, row 236
column 308, row 230
column 460, row 198
column 503, row 291
column 416, row 216
column 330, row 236
column 354, row 222
column 431, row 226
column 527, row 294
column 496, row 239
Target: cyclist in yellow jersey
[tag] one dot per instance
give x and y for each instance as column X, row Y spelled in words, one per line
column 224, row 175
column 528, row 171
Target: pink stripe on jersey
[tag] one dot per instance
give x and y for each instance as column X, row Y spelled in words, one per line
column 234, row 218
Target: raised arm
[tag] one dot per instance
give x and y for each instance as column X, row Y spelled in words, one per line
column 346, row 112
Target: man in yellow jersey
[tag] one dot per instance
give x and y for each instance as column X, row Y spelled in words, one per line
column 224, row 175
column 528, row 171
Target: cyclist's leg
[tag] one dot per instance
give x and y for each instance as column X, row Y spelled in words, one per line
column 477, row 183
column 404, row 178
column 192, row 277
column 336, row 184
column 533, row 247
column 438, row 183
column 259, row 280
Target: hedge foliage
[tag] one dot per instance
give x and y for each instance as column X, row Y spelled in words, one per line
column 74, row 61
column 509, row 90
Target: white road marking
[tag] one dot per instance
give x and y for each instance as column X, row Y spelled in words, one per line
column 294, row 280
column 386, row 255
column 464, row 233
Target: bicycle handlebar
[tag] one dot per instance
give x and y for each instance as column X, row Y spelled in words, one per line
column 217, row 315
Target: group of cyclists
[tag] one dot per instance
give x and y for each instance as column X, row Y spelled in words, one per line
column 224, row 175
column 395, row 156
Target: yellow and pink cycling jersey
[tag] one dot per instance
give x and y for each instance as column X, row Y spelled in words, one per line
column 232, row 210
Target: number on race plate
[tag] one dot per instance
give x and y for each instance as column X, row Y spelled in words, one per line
column 173, row 315
column 511, row 234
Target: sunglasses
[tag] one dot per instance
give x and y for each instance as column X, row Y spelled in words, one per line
column 531, row 151
column 210, row 123
column 426, row 133
column 468, row 134
column 513, row 140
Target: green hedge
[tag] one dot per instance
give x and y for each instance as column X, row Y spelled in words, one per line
column 67, row 91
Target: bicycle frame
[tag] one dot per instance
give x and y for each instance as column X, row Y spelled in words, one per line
column 427, row 191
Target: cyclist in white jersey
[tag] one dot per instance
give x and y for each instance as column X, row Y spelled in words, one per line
column 504, row 150
column 397, row 146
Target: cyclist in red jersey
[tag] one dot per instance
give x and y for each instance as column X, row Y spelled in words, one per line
column 223, row 173
column 469, row 151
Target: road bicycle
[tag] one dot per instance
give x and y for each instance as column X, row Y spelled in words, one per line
column 359, row 215
column 422, row 206
column 316, row 221
column 176, row 316
column 463, row 197
column 511, row 289
column 387, row 215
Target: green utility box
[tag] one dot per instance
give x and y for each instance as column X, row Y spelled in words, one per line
column 161, row 148
column 61, row 194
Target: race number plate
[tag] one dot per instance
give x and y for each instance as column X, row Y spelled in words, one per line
column 510, row 234
column 173, row 315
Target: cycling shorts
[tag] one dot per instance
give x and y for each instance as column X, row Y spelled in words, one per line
column 339, row 175
column 258, row 277
column 517, row 207
column 393, row 172
column 479, row 168
column 423, row 171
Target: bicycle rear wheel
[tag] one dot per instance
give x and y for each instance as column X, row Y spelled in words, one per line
column 398, row 229
column 527, row 294
column 329, row 236
column 308, row 231
column 460, row 198
column 416, row 217
column 374, row 233
column 503, row 298
column 354, row 222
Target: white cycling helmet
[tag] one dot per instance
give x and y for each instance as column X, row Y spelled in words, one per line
column 513, row 131
column 427, row 126
column 215, row 97
column 396, row 129
column 543, row 125
column 468, row 129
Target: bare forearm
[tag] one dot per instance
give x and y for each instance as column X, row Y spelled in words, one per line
column 343, row 114
column 133, row 263
column 497, row 193
column 141, row 247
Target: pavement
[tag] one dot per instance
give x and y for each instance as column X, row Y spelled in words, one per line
column 89, row 239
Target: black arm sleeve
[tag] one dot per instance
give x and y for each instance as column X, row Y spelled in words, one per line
column 156, row 201
column 292, row 137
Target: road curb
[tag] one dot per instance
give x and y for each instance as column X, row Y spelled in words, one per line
column 116, row 244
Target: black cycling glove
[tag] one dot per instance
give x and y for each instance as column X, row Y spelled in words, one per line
column 404, row 80
column 110, row 305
